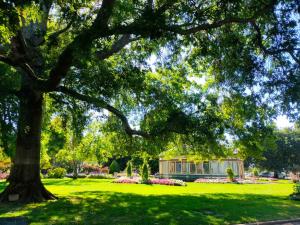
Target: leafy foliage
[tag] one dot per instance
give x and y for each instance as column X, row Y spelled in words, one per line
column 285, row 156
column 129, row 169
column 57, row 172
column 200, row 78
column 255, row 172
column 297, row 188
column 145, row 172
column 114, row 167
column 230, row 174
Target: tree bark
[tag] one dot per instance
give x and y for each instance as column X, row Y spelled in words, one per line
column 24, row 180
column 75, row 170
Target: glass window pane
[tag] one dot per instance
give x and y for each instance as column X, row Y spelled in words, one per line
column 206, row 167
column 178, row 167
column 192, row 168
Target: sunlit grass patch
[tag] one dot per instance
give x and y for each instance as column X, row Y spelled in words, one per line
column 94, row 201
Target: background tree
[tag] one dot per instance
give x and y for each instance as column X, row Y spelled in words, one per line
column 114, row 167
column 285, row 156
column 76, row 49
column 129, row 169
column 144, row 171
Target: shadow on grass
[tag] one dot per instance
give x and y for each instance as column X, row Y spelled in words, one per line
column 99, row 207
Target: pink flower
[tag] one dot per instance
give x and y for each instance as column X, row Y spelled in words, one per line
column 3, row 176
column 173, row 182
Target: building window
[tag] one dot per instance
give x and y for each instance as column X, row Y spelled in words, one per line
column 171, row 167
column 184, row 166
column 192, row 168
column 206, row 167
column 199, row 167
column 178, row 167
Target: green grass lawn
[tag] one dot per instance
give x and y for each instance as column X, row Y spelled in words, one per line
column 92, row 201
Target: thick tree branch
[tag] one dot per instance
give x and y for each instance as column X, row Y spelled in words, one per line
column 7, row 60
column 116, row 47
column 45, row 6
column 83, row 42
column 259, row 40
column 139, row 27
column 53, row 37
column 25, row 66
column 207, row 26
column 104, row 105
column 144, row 27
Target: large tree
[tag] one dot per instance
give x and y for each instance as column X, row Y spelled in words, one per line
column 98, row 52
column 285, row 156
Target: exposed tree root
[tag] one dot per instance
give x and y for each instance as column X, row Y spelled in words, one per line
column 26, row 192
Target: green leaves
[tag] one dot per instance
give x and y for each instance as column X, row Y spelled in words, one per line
column 197, row 72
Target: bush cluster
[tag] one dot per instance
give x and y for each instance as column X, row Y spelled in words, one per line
column 255, row 172
column 296, row 194
column 145, row 172
column 57, row 172
column 87, row 168
column 297, row 188
column 129, row 169
column 114, row 167
column 230, row 174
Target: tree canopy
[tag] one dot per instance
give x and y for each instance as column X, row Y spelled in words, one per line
column 156, row 72
column 102, row 54
column 285, row 156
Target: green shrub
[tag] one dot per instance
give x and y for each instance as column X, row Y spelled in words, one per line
column 145, row 172
column 129, row 169
column 297, row 188
column 230, row 174
column 296, row 193
column 114, row 167
column 255, row 172
column 57, row 172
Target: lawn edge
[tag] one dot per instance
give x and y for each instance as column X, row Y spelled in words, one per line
column 273, row 222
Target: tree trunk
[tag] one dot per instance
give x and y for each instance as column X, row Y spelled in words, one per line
column 75, row 170
column 24, row 181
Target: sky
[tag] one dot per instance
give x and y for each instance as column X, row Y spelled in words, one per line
column 283, row 122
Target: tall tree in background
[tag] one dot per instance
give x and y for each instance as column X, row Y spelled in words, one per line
column 99, row 51
column 285, row 156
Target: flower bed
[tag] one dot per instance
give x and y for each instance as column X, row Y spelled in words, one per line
column 211, row 180
column 3, row 176
column 125, row 180
column 172, row 182
column 100, row 176
column 236, row 181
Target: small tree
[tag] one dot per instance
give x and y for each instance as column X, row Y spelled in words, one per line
column 255, row 172
column 296, row 194
column 114, row 167
column 230, row 174
column 145, row 172
column 129, row 169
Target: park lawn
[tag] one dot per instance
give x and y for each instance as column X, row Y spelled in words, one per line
column 96, row 201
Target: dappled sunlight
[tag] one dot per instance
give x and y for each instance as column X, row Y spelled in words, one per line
column 58, row 185
column 102, row 202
